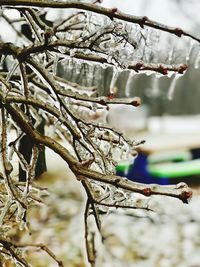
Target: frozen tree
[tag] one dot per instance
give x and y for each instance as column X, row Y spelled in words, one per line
column 82, row 40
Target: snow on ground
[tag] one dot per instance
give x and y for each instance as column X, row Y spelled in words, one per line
column 168, row 237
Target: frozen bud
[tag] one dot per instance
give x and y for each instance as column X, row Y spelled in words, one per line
column 162, row 70
column 48, row 33
column 111, row 96
column 145, row 18
column 114, row 10
column 136, row 102
column 186, row 196
column 178, row 32
column 182, row 68
column 146, row 191
column 138, row 66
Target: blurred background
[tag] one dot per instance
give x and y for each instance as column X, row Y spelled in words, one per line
column 168, row 120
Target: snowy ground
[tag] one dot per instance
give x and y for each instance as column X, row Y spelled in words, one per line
column 169, row 237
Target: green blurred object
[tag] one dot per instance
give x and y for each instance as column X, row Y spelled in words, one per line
column 169, row 156
column 175, row 169
column 123, row 167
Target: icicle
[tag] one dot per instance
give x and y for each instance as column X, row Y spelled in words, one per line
column 113, row 80
column 171, row 55
column 55, row 65
column 190, row 51
column 70, row 65
column 155, row 86
column 147, row 34
column 128, row 84
column 171, row 90
column 5, row 210
column 197, row 61
column 3, row 57
column 11, row 152
column 1, row 10
column 156, row 37
column 20, row 212
column 11, row 72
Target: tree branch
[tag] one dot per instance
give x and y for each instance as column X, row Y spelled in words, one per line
column 180, row 191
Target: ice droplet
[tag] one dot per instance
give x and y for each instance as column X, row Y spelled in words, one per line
column 172, row 86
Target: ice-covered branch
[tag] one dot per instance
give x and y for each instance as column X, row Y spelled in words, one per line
column 10, row 249
column 23, row 53
column 42, row 247
column 112, row 13
column 180, row 191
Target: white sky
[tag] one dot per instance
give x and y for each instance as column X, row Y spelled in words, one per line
column 164, row 11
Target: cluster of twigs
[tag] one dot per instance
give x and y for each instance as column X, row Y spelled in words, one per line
column 32, row 92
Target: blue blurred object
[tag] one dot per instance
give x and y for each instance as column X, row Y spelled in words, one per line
column 138, row 172
column 162, row 168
